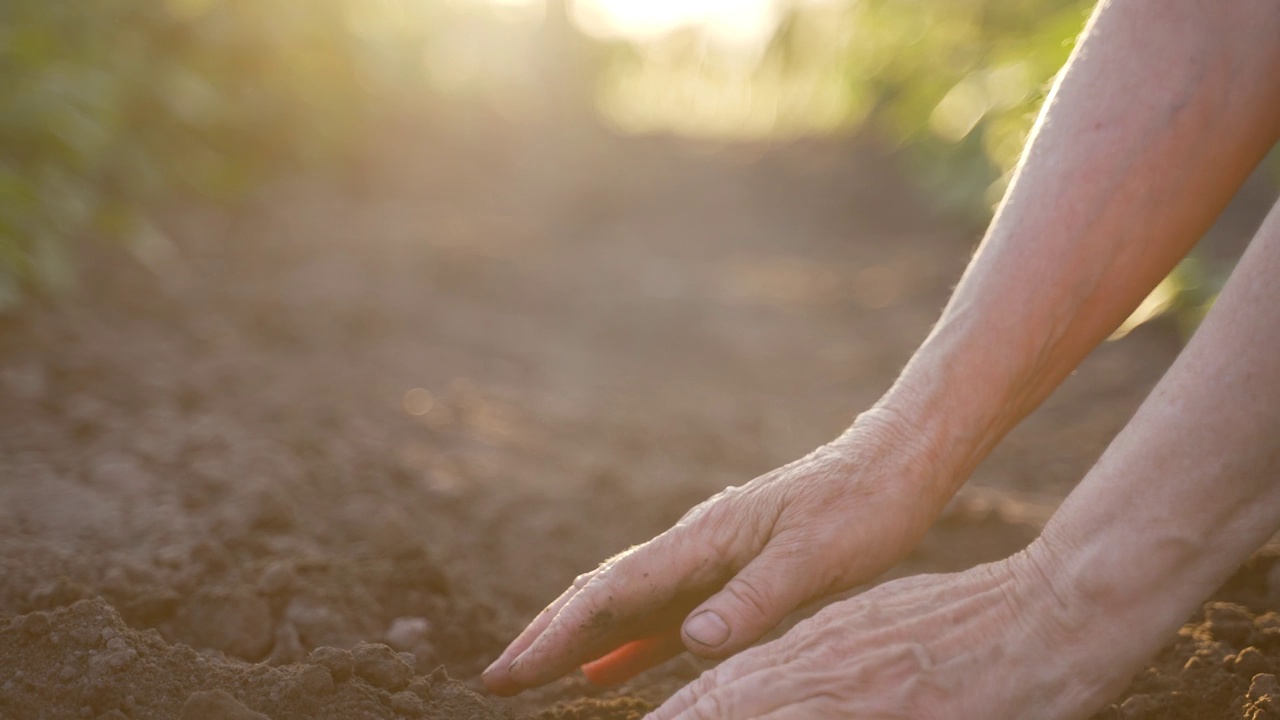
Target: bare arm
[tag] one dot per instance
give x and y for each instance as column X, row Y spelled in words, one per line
column 1162, row 113
column 1191, row 486
column 1180, row 498
column 1164, row 108
column 1185, row 492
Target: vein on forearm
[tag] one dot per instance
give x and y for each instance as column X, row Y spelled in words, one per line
column 1162, row 112
column 1192, row 484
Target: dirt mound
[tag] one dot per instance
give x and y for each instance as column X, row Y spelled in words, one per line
column 1223, row 663
column 83, row 661
column 407, row 410
column 623, row 708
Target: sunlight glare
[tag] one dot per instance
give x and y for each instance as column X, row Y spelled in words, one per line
column 734, row 22
column 741, row 23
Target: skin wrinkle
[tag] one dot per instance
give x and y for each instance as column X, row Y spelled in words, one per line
column 923, row 661
column 1116, row 185
column 1044, row 353
column 1191, row 557
column 898, row 443
column 743, row 589
column 1087, row 281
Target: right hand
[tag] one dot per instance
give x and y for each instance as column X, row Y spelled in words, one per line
column 734, row 566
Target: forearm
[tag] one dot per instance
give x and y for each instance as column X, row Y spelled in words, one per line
column 1192, row 484
column 1163, row 110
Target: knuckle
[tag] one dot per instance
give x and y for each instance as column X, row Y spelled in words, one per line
column 707, row 697
column 753, row 595
column 712, row 706
column 685, row 701
column 589, row 591
column 629, row 569
column 706, row 682
column 698, row 513
column 575, row 613
column 591, row 600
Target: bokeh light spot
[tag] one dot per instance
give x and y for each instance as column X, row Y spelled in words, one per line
column 418, row 402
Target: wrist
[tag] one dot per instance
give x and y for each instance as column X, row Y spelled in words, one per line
column 889, row 438
column 1078, row 586
column 1083, row 594
column 1049, row 619
column 944, row 444
column 968, row 385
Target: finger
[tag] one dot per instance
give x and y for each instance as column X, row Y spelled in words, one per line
column 752, row 603
column 496, row 677
column 641, row 593
column 717, row 695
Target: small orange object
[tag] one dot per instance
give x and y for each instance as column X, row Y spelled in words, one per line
column 634, row 658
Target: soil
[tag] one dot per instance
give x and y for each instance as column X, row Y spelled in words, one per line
column 322, row 455
column 1223, row 663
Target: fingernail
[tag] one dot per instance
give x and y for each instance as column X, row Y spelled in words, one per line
column 707, row 628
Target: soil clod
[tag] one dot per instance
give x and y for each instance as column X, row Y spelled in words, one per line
column 381, row 666
column 213, row 485
column 407, row 703
column 217, row 705
column 336, row 660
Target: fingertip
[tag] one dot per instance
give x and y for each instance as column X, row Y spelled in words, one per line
column 706, row 631
column 497, row 678
column 530, row 670
column 751, row 604
column 500, row 683
column 708, row 636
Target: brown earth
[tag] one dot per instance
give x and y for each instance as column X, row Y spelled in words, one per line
column 408, row 403
column 1223, row 662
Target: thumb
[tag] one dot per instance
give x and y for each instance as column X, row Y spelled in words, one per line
column 750, row 605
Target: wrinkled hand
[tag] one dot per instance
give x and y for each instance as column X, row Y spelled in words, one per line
column 733, row 567
column 986, row 644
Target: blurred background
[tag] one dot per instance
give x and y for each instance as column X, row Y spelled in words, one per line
column 109, row 110
column 316, row 316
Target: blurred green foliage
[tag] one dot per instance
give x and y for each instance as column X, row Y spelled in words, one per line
column 959, row 86
column 108, row 106
column 955, row 84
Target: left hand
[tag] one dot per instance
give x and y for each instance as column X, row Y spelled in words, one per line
column 734, row 566
column 990, row 643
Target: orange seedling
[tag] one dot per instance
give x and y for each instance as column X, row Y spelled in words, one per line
column 634, row 658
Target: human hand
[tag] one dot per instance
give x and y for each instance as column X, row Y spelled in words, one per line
column 733, row 567
column 991, row 643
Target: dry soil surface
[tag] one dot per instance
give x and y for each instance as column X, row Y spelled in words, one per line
column 321, row 456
